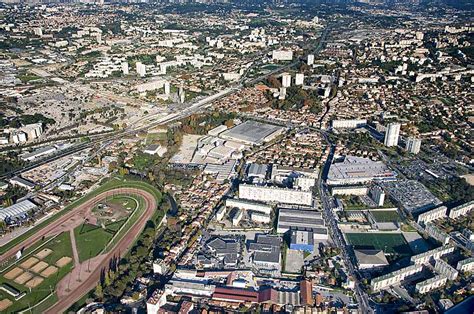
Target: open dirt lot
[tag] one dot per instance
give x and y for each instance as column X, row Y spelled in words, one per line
column 34, row 282
column 63, row 261
column 4, row 304
column 39, row 267
column 23, row 278
column 51, row 270
column 29, row 262
column 15, row 272
column 43, row 253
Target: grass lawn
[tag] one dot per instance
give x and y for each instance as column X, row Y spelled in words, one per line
column 91, row 240
column 60, row 246
column 385, row 215
column 154, row 138
column 390, row 243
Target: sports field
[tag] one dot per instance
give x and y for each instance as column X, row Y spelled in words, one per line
column 390, row 243
column 385, row 215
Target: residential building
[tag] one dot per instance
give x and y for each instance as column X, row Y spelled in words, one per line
column 391, row 134
column 348, row 124
column 275, row 195
column 461, row 210
column 432, row 215
column 437, row 234
column 377, row 194
column 466, row 265
column 426, row 257
column 394, row 278
column 445, row 269
column 413, row 145
column 431, row 284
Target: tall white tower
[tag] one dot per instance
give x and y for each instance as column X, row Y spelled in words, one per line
column 391, row 134
column 310, row 59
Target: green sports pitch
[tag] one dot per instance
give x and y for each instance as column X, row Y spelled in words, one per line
column 390, row 243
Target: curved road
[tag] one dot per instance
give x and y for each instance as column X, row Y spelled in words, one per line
column 119, row 250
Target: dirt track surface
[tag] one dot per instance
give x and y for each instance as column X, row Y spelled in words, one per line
column 85, row 276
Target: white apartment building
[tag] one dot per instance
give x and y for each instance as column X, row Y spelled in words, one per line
column 466, row 265
column 310, row 59
column 413, row 145
column 305, row 183
column 239, row 214
column 124, row 66
column 260, row 217
column 461, row 210
column 377, row 194
column 299, row 79
column 391, row 134
column 282, row 55
column 221, row 213
column 437, row 234
column 358, row 190
column 141, row 69
column 248, row 205
column 275, row 195
column 285, row 80
column 394, row 278
column 348, row 123
column 431, row 284
column 445, row 269
column 434, row 254
column 431, row 215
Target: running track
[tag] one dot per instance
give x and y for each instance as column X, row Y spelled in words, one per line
column 120, row 248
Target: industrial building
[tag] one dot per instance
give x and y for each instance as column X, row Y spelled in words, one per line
column 302, row 241
column 266, row 254
column 252, row 133
column 17, row 210
column 307, row 220
column 370, row 259
column 356, row 170
column 275, row 195
column 43, row 151
column 432, row 215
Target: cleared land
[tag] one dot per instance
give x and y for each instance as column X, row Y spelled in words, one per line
column 390, row 243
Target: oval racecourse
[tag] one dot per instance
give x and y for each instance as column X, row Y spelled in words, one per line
column 89, row 243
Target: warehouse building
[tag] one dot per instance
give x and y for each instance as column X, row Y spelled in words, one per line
column 266, row 254
column 18, row 210
column 252, row 133
column 305, row 220
column 370, row 259
column 356, row 170
column 302, row 241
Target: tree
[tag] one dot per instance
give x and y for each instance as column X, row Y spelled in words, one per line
column 99, row 293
